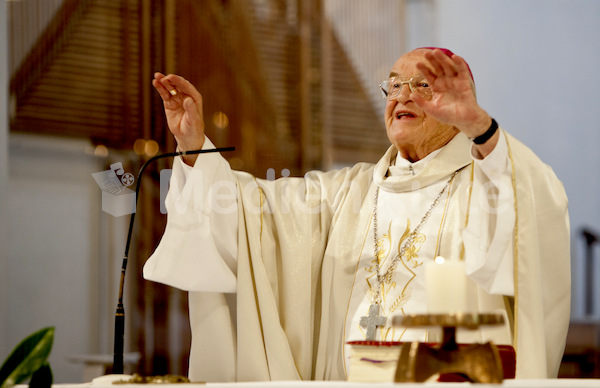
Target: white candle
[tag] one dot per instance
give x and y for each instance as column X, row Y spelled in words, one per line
column 446, row 285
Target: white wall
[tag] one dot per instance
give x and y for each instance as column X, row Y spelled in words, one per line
column 536, row 68
column 53, row 264
column 63, row 254
column 4, row 346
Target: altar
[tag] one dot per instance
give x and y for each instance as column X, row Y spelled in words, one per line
column 550, row 383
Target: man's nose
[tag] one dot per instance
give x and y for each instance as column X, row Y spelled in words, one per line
column 404, row 93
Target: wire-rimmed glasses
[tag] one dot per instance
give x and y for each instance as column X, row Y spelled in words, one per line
column 391, row 87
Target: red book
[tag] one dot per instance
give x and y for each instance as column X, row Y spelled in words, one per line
column 376, row 361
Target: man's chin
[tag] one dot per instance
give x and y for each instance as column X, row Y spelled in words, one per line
column 402, row 133
column 398, row 141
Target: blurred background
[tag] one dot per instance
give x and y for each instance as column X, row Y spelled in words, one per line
column 292, row 84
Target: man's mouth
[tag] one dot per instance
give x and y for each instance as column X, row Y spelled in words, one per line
column 405, row 115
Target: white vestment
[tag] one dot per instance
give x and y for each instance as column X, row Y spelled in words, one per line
column 281, row 303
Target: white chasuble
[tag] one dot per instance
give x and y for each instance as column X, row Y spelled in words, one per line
column 398, row 214
column 281, row 303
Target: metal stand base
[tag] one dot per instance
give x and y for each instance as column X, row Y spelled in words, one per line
column 478, row 363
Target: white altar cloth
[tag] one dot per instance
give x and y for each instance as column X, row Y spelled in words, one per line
column 550, row 383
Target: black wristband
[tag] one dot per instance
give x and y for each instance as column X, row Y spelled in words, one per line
column 487, row 134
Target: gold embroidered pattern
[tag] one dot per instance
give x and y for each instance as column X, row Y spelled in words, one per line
column 412, row 253
column 410, row 261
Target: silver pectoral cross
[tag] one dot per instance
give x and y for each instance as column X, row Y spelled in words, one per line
column 372, row 321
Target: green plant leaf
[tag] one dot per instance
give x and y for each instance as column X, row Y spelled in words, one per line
column 27, row 358
column 42, row 378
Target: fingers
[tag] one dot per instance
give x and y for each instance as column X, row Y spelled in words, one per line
column 162, row 82
column 427, row 73
column 191, row 109
column 439, row 65
column 175, row 88
column 461, row 66
column 160, row 87
column 177, row 92
column 179, row 85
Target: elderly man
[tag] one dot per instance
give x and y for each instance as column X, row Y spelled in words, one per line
column 282, row 274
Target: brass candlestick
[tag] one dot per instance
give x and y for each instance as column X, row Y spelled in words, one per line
column 478, row 363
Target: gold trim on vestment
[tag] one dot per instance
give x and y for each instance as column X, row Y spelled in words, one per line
column 471, row 179
column 261, row 196
column 366, row 234
column 515, row 248
column 253, row 277
column 351, row 290
column 436, row 252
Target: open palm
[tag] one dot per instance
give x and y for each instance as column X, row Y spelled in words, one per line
column 453, row 101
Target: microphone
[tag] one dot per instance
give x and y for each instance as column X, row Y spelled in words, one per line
column 590, row 238
column 120, row 313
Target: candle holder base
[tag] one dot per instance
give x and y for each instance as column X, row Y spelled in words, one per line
column 420, row 362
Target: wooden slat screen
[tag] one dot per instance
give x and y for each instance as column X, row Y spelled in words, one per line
column 277, row 83
column 82, row 76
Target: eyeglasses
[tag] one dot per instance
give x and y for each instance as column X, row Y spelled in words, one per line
column 390, row 88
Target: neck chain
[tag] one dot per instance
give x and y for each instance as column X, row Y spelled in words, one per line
column 373, row 320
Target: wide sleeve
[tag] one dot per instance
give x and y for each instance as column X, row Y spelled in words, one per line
column 198, row 249
column 488, row 236
column 543, row 275
column 284, row 235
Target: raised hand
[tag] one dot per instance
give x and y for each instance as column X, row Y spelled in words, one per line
column 453, row 101
column 183, row 109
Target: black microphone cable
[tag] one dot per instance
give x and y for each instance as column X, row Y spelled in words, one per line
column 120, row 313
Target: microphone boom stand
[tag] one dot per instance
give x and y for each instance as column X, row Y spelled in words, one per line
column 120, row 314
